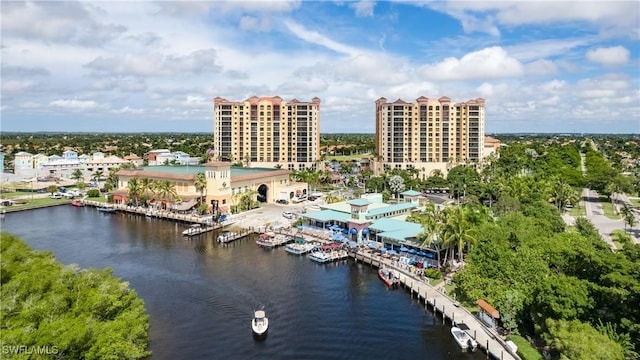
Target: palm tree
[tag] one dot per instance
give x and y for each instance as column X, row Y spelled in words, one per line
column 147, row 184
column 77, row 175
column 96, row 176
column 456, row 231
column 561, row 194
column 431, row 221
column 134, row 187
column 166, row 190
column 200, row 182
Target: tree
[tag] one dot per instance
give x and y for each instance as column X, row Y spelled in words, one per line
column 52, row 188
column 86, row 314
column 456, row 231
column 77, row 175
column 578, row 340
column 396, row 185
column 200, row 182
column 562, row 194
column 628, row 217
column 135, row 189
column 97, row 175
column 432, row 222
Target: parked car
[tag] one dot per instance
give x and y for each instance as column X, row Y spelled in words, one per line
column 56, row 196
column 282, row 201
column 288, row 214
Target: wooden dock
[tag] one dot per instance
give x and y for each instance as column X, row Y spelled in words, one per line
column 160, row 214
column 488, row 340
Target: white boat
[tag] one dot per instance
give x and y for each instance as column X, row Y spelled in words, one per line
column 227, row 236
column 463, row 339
column 260, row 323
column 323, row 256
column 194, row 229
column 106, row 209
column 299, row 249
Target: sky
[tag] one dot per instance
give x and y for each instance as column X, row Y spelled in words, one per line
column 155, row 66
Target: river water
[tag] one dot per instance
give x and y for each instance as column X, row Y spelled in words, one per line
column 200, row 295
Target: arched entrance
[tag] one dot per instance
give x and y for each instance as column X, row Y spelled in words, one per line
column 262, row 193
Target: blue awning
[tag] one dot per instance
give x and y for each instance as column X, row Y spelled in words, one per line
column 365, row 231
column 353, row 231
column 404, row 248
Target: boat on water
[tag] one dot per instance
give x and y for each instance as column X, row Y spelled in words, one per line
column 299, row 248
column 324, row 256
column 227, row 236
column 388, row 277
column 265, row 239
column 194, row 229
column 260, row 323
column 77, row 203
column 463, row 339
column 106, row 209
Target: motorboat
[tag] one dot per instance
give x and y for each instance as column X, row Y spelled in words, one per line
column 78, row 203
column 194, row 229
column 106, row 209
column 388, row 277
column 260, row 323
column 463, row 339
column 299, row 248
column 324, row 256
column 227, row 236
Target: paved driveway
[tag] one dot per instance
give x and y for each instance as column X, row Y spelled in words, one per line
column 605, row 226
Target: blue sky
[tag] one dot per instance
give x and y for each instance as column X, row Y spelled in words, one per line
column 541, row 66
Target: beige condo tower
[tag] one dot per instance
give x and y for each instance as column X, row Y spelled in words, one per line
column 428, row 134
column 267, row 132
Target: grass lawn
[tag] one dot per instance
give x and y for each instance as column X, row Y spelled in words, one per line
column 620, row 237
column 525, row 350
column 28, row 203
column 11, row 195
column 608, row 208
column 635, row 202
column 578, row 211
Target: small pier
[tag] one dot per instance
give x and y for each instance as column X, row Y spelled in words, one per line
column 160, row 214
column 488, row 340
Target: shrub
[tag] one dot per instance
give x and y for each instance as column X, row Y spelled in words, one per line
column 93, row 193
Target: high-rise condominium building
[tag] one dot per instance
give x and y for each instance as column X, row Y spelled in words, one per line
column 429, row 134
column 267, row 132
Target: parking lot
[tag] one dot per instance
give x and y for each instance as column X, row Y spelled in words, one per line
column 272, row 214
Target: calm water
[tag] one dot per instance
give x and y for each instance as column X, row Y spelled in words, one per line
column 201, row 295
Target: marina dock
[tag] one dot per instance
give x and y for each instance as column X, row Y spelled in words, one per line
column 488, row 340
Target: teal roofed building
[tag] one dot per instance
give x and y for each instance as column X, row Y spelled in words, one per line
column 355, row 217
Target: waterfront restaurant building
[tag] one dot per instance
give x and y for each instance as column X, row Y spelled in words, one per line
column 267, row 132
column 428, row 134
column 370, row 219
column 223, row 183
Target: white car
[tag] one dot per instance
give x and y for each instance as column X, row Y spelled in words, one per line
column 56, row 196
column 288, row 214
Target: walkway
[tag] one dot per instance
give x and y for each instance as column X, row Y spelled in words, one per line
column 487, row 339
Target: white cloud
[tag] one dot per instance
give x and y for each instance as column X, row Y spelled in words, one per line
column 616, row 55
column 252, row 23
column 63, row 21
column 363, row 8
column 541, row 67
column 128, row 110
column 197, row 62
column 611, row 17
column 316, row 38
column 488, row 63
column 16, row 86
column 74, row 104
